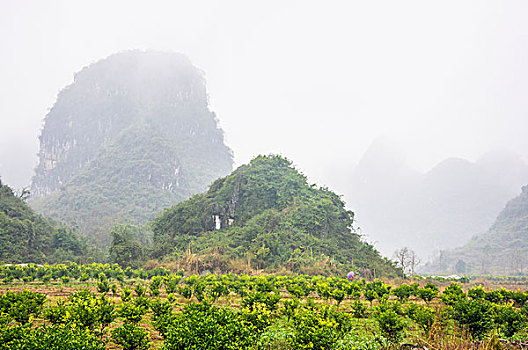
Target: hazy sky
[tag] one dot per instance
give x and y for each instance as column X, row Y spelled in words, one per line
column 314, row 81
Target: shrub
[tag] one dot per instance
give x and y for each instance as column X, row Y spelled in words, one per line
column 131, row 337
column 476, row 315
column 453, row 294
column 318, row 328
column 203, row 326
column 403, row 292
column 216, row 290
column 428, row 293
column 103, row 286
column 289, row 307
column 422, row 315
column 22, row 306
column 259, row 316
column 510, row 320
column 390, row 324
column 140, row 290
column 126, row 294
column 160, row 308
column 271, row 300
column 86, row 310
column 171, row 283
column 56, row 314
column 185, row 291
column 358, row 309
column 131, row 313
column 376, row 290
column 49, row 338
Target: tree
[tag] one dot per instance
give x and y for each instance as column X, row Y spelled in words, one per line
column 460, row 266
column 402, row 257
column 414, row 260
column 128, row 245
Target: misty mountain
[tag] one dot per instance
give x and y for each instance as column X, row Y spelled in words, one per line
column 265, row 215
column 397, row 206
column 503, row 249
column 131, row 135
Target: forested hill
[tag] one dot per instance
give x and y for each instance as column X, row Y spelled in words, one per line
column 265, row 215
column 28, row 237
column 132, row 135
column 503, row 249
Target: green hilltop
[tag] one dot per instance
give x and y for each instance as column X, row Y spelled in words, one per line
column 265, row 215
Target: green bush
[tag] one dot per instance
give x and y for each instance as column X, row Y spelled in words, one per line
column 358, row 309
column 56, row 314
column 103, row 286
column 203, row 326
column 428, row 292
column 21, row 306
column 140, row 290
column 453, row 294
column 48, row 338
column 86, row 310
column 422, row 315
column 510, row 320
column 160, row 308
column 390, row 324
column 477, row 316
column 402, row 292
column 217, row 290
column 171, row 283
column 131, row 337
column 377, row 290
column 318, row 328
column 271, row 300
column 130, row 312
column 259, row 316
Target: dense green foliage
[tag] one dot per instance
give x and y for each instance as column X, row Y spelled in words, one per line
column 28, row 237
column 251, row 312
column 132, row 135
column 129, row 245
column 266, row 213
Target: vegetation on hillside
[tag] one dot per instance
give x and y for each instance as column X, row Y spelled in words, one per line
column 28, row 237
column 265, row 215
column 131, row 136
column 503, row 249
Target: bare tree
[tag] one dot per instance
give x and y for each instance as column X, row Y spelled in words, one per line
column 402, row 257
column 414, row 261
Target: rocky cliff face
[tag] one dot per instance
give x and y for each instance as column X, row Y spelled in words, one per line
column 131, row 135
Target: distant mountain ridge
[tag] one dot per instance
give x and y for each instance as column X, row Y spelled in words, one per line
column 132, row 135
column 397, row 206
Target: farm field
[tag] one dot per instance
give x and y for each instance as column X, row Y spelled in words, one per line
column 101, row 306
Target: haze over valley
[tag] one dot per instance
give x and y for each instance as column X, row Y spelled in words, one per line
column 115, row 115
